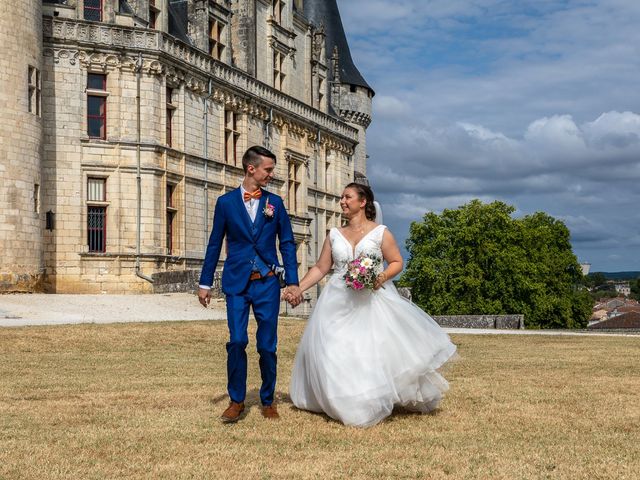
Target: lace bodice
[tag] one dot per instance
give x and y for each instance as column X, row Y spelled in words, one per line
column 343, row 252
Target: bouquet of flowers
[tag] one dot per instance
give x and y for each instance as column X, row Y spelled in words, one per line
column 361, row 272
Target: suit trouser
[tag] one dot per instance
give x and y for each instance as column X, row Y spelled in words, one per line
column 264, row 296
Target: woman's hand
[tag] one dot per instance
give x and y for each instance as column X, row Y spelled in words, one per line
column 380, row 279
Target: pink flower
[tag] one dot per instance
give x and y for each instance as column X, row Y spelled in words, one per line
column 268, row 210
column 360, row 273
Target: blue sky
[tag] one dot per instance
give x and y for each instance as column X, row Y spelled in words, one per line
column 535, row 103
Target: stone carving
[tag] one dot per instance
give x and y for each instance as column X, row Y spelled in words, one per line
column 318, row 39
column 100, row 61
column 353, row 116
column 58, row 53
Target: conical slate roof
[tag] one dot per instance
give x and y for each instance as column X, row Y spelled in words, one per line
column 325, row 12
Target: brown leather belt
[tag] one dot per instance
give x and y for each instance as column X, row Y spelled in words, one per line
column 257, row 276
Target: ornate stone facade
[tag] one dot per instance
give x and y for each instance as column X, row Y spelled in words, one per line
column 142, row 129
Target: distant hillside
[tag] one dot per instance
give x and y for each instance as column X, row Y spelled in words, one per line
column 620, row 275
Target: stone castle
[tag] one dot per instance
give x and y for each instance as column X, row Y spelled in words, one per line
column 125, row 120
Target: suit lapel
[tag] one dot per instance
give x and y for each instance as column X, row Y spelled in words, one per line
column 245, row 219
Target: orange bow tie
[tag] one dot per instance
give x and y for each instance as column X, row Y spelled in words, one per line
column 249, row 196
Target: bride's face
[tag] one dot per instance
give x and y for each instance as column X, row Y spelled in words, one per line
column 350, row 202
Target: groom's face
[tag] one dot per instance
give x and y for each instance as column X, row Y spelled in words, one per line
column 263, row 173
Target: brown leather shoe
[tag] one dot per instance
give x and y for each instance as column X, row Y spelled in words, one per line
column 232, row 413
column 270, row 412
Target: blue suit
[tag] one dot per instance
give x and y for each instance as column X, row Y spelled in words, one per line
column 251, row 246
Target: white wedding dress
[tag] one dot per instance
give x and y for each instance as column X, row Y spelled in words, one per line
column 363, row 352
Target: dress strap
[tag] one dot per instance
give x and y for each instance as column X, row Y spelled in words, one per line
column 379, row 233
column 332, row 234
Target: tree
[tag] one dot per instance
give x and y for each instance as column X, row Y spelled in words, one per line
column 635, row 288
column 604, row 293
column 477, row 259
column 595, row 280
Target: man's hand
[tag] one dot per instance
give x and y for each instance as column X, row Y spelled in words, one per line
column 204, row 296
column 293, row 295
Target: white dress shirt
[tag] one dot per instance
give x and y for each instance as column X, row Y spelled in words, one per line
column 251, row 205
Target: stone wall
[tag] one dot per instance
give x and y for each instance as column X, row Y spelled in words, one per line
column 21, row 215
column 355, row 108
column 53, row 154
column 184, row 281
column 481, row 321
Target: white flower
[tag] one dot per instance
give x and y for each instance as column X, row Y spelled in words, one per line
column 367, row 262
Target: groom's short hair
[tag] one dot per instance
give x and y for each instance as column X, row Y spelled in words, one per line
column 253, row 156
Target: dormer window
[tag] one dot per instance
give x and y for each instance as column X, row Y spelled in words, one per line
column 216, row 46
column 154, row 13
column 278, row 8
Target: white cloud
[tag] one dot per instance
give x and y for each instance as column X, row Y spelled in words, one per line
column 558, row 131
column 614, row 129
column 386, row 106
column 555, row 166
column 531, row 102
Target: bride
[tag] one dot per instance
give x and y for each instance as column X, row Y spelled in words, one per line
column 365, row 351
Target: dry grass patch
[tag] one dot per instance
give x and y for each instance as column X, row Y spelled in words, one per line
column 142, row 401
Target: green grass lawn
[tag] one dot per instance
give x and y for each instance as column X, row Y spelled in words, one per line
column 143, row 400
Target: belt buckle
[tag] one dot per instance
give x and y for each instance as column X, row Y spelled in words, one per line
column 255, row 276
column 258, row 276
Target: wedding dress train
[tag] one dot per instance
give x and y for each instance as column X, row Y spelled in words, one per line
column 363, row 352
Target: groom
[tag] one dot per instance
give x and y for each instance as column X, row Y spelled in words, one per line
column 251, row 219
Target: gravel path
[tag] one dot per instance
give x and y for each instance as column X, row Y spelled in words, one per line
column 46, row 309
column 18, row 310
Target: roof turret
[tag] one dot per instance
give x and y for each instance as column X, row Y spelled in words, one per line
column 326, row 13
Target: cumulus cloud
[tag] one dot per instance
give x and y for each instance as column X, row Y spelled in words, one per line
column 556, row 166
column 390, row 107
column 533, row 103
column 614, row 129
column 558, row 132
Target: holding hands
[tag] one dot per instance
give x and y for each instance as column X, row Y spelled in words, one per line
column 293, row 295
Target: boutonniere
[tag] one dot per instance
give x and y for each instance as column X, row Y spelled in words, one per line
column 268, row 209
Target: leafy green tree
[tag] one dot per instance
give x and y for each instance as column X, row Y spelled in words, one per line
column 604, row 293
column 635, row 288
column 477, row 259
column 595, row 280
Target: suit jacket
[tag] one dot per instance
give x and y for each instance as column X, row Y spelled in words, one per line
column 245, row 239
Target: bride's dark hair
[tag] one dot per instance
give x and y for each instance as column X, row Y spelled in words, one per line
column 365, row 193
